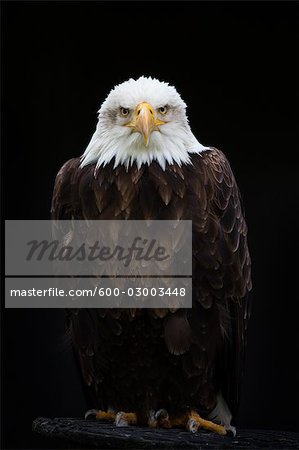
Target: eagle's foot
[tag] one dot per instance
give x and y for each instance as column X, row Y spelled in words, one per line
column 121, row 419
column 194, row 422
column 191, row 421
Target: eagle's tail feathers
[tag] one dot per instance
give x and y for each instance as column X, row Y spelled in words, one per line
column 222, row 415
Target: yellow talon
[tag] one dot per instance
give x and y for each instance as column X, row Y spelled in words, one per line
column 195, row 421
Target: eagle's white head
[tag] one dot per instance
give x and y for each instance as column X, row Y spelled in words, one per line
column 141, row 121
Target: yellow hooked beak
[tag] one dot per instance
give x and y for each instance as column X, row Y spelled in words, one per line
column 144, row 121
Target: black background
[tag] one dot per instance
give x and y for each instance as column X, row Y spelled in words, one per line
column 234, row 65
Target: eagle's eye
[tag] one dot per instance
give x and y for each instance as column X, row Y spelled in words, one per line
column 162, row 110
column 124, row 111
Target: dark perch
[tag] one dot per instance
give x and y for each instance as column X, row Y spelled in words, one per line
column 94, row 434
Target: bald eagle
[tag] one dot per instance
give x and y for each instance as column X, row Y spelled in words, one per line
column 161, row 367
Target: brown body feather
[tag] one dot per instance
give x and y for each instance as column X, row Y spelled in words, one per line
column 150, row 359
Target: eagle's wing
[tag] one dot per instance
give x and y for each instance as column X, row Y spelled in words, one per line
column 65, row 199
column 82, row 324
column 224, row 264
